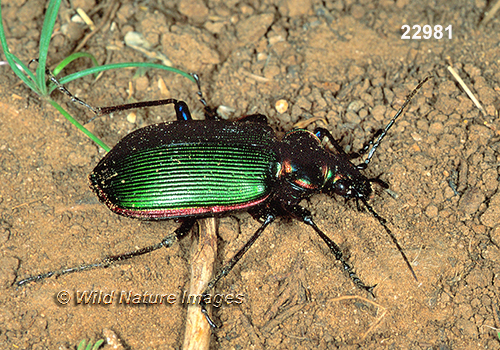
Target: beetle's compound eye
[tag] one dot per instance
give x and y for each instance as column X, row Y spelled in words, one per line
column 349, row 186
column 342, row 188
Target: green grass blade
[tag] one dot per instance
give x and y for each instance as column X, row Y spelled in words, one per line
column 45, row 36
column 79, row 126
column 71, row 58
column 81, row 345
column 22, row 71
column 98, row 344
column 3, row 40
column 37, row 83
column 22, row 67
column 99, row 69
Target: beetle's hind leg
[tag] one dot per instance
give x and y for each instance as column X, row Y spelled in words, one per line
column 177, row 235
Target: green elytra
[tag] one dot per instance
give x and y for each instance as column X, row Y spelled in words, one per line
column 184, row 170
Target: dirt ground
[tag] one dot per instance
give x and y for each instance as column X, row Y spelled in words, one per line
column 344, row 61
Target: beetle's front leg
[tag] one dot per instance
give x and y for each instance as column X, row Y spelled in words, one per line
column 322, row 133
column 305, row 216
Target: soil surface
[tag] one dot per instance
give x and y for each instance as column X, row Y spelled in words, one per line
column 343, row 61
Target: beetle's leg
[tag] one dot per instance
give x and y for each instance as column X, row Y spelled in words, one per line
column 182, row 111
column 178, row 234
column 305, row 216
column 65, row 91
column 254, row 118
column 230, row 264
column 380, row 182
column 365, row 148
column 373, row 144
column 322, row 133
column 180, row 107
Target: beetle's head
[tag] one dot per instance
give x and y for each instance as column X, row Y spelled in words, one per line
column 347, row 182
column 307, row 168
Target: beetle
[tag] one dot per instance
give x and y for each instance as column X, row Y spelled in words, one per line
column 189, row 169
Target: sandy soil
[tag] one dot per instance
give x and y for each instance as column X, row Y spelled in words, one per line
column 344, row 61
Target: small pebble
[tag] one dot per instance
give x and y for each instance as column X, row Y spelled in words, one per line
column 281, row 106
column 491, row 215
column 416, row 137
column 142, row 83
column 131, row 117
column 471, row 200
column 378, row 112
column 163, row 88
column 112, row 339
column 355, row 106
column 431, row 211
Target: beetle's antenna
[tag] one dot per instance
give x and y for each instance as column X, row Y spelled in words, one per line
column 391, row 123
column 210, row 113
column 73, row 98
column 389, row 232
column 65, row 91
column 200, row 94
